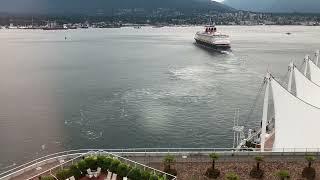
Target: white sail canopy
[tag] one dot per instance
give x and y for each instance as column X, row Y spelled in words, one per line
column 296, row 122
column 314, row 72
column 305, row 89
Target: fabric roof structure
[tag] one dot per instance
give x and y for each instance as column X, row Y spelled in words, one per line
column 296, row 122
column 306, row 90
column 314, row 72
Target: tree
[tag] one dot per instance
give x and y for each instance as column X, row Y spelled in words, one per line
column 232, row 176
column 310, row 160
column 283, row 174
column 256, row 172
column 213, row 157
column 168, row 161
column 212, row 172
column 258, row 159
column 309, row 172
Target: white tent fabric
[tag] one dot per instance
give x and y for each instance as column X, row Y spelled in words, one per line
column 296, row 122
column 314, row 72
column 305, row 89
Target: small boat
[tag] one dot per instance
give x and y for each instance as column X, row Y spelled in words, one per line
column 213, row 39
column 137, row 27
column 288, row 33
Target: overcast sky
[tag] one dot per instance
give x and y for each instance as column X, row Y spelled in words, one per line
column 308, row 6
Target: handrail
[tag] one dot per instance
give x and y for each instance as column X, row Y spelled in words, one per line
column 38, row 159
column 110, row 154
column 49, row 170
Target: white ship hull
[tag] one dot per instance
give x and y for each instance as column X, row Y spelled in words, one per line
column 215, row 41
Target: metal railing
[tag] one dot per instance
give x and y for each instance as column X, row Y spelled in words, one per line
column 99, row 152
column 155, row 152
column 40, row 160
column 72, row 156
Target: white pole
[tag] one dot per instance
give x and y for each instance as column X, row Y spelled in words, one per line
column 317, row 57
column 265, row 113
column 306, row 60
column 290, row 76
column 234, row 132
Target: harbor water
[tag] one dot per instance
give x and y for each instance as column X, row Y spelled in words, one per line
column 134, row 88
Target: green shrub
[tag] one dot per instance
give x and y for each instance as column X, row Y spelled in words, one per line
column 75, row 171
column 162, row 178
column 283, row 174
column 100, row 160
column 47, row 178
column 154, row 177
column 135, row 174
column 169, row 160
column 232, row 176
column 114, row 165
column 91, row 162
column 106, row 164
column 82, row 166
column 63, row 174
column 122, row 170
column 145, row 175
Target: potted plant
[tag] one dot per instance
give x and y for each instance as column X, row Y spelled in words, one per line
column 232, row 176
column 63, row 174
column 145, row 175
column 91, row 162
column 256, row 172
column 212, row 172
column 169, row 161
column 75, row 171
column 82, row 166
column 106, row 164
column 114, row 165
column 100, row 161
column 283, row 174
column 309, row 172
column 122, row 170
column 135, row 174
column 154, row 177
column 47, row 178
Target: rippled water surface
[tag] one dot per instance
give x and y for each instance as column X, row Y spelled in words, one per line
column 121, row 88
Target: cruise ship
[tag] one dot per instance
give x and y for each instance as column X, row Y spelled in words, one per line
column 211, row 38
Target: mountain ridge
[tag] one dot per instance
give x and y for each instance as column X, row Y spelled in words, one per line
column 93, row 6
